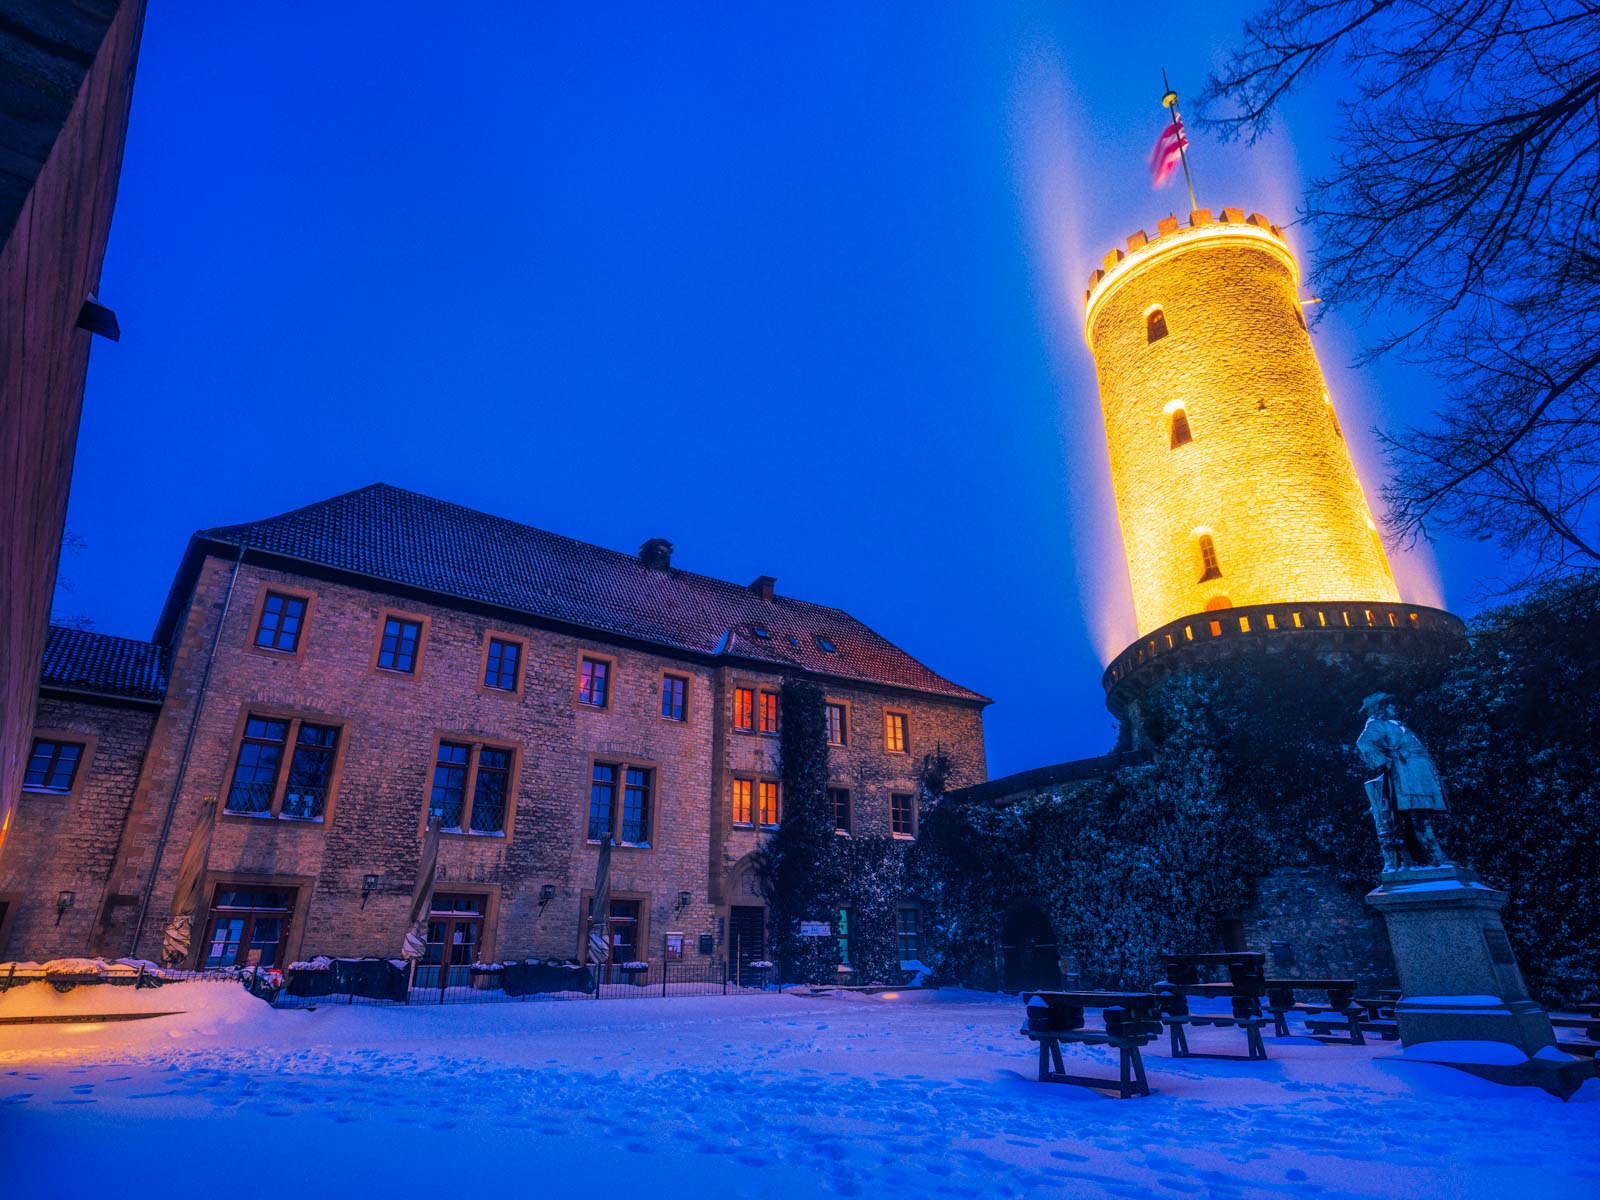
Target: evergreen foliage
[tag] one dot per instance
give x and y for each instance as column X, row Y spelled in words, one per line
column 809, row 873
column 1253, row 767
column 799, row 867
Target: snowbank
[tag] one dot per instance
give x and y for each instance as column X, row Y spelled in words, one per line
column 220, row 1010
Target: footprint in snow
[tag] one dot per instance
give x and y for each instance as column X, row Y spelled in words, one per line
column 1295, row 1175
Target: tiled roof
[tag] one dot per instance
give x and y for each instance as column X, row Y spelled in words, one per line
column 416, row 541
column 80, row 660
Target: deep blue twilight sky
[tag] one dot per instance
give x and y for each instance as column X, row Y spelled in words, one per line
column 798, row 288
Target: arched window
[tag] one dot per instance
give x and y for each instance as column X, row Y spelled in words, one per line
column 1218, row 602
column 1208, row 559
column 1155, row 325
column 1180, row 428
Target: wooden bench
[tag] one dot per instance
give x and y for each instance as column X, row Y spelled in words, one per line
column 1130, row 1020
column 1340, row 994
column 1247, row 983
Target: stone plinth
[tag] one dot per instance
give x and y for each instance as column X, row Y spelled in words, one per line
column 1459, row 979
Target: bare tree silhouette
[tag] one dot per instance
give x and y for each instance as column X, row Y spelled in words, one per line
column 1461, row 209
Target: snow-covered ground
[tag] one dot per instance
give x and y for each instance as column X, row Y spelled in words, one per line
column 924, row 1094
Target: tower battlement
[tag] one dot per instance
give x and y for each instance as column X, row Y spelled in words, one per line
column 1171, row 235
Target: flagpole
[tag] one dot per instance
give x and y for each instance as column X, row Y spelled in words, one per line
column 1170, row 100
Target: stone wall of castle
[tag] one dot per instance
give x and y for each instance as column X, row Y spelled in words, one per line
column 1265, row 473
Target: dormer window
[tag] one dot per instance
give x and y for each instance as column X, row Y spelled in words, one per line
column 825, row 645
column 760, row 631
column 1155, row 325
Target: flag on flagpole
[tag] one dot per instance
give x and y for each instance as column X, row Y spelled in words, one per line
column 1168, row 154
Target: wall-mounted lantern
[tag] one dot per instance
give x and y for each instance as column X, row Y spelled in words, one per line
column 64, row 901
column 369, row 884
column 683, row 901
column 547, row 893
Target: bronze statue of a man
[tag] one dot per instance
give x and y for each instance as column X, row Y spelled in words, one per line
column 1407, row 794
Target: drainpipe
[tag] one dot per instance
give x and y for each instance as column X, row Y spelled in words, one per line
column 183, row 763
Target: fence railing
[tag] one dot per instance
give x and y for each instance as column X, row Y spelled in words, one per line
column 519, row 982
column 126, row 974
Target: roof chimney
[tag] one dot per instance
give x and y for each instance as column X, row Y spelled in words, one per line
column 656, row 554
column 763, row 586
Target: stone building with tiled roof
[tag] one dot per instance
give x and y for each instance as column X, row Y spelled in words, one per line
column 334, row 674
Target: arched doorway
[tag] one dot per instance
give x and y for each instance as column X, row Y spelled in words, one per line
column 1028, row 950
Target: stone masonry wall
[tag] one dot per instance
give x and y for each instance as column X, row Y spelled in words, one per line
column 1267, row 473
column 1312, row 928
column 390, row 725
column 67, row 843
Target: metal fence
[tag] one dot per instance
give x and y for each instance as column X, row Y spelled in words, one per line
column 128, row 974
column 498, row 984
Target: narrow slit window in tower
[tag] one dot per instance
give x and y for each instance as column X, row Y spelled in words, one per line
column 1180, row 428
column 1208, row 558
column 1333, row 416
column 1155, row 325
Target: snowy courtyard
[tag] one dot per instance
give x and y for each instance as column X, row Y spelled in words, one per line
column 917, row 1094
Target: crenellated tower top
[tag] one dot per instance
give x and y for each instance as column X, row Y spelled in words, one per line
column 1172, row 236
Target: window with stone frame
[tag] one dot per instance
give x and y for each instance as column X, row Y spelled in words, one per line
column 767, row 803
column 896, row 732
column 903, row 814
column 767, row 714
column 282, row 619
column 840, row 799
column 621, row 803
column 261, row 787
column 744, row 709
column 401, row 645
column 471, row 790
column 594, row 682
column 744, row 804
column 502, row 665
column 675, row 697
column 837, row 718
column 52, row 766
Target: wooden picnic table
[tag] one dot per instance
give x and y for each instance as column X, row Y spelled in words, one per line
column 1244, row 989
column 1130, row 1020
column 1340, row 994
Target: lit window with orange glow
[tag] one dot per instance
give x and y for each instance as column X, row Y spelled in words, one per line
column 896, row 734
column 767, row 793
column 744, row 709
column 769, row 712
column 743, row 806
column 1210, row 569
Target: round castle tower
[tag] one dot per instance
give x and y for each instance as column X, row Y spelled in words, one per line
column 1242, row 515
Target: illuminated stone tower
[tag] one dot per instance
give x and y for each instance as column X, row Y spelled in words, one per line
column 1242, row 515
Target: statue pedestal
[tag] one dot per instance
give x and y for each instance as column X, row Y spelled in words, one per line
column 1459, row 979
